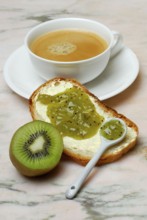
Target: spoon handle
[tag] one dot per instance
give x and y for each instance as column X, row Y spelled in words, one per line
column 74, row 188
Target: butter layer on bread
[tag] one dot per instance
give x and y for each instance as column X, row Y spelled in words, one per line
column 83, row 150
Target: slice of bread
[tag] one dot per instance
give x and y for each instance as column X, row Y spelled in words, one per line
column 83, row 150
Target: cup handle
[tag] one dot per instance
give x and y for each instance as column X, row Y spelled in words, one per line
column 117, row 44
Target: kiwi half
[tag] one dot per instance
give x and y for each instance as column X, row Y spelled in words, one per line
column 36, row 148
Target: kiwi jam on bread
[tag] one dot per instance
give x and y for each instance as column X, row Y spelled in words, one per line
column 72, row 112
column 78, row 114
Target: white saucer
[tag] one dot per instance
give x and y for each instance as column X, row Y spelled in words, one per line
column 120, row 73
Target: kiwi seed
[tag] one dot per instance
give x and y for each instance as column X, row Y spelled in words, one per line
column 36, row 148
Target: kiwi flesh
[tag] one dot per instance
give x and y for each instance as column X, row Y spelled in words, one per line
column 36, row 148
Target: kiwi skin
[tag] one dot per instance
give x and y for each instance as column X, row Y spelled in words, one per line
column 39, row 170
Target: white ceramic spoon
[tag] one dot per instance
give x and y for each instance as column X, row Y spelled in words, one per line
column 105, row 144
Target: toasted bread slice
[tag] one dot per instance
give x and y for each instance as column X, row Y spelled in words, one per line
column 83, row 150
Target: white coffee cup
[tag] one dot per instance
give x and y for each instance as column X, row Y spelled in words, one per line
column 83, row 70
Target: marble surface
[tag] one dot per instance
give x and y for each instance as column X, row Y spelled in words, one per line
column 117, row 191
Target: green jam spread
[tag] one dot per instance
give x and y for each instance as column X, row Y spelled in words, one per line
column 73, row 113
column 112, row 130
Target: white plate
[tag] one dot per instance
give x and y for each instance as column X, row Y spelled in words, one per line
column 120, row 73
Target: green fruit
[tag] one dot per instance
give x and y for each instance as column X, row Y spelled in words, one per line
column 36, row 148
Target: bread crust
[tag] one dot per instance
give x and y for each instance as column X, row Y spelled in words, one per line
column 106, row 157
